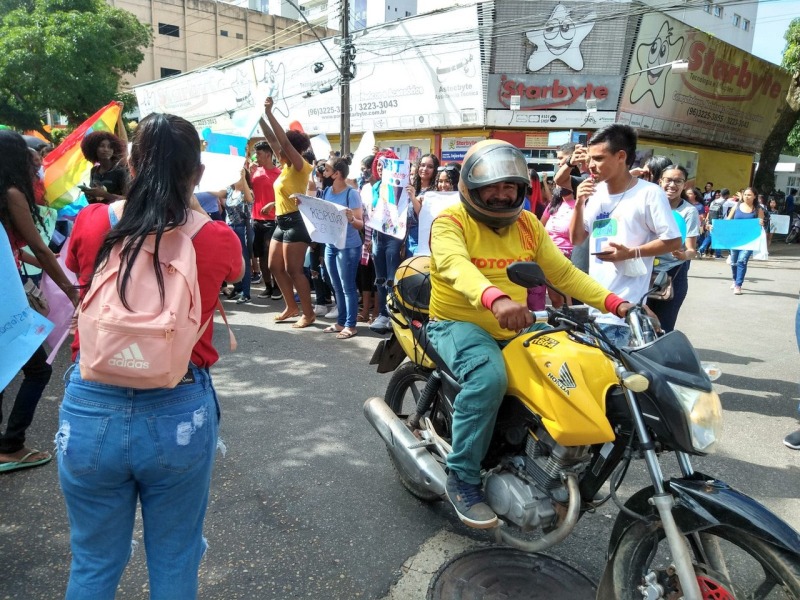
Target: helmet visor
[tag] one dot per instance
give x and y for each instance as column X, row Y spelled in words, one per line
column 503, row 163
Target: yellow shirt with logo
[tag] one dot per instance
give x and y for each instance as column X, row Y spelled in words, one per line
column 290, row 181
column 467, row 257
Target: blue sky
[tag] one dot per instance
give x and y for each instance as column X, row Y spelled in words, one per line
column 773, row 19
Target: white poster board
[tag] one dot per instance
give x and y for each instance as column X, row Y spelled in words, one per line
column 325, row 221
column 389, row 211
column 433, row 204
column 779, row 224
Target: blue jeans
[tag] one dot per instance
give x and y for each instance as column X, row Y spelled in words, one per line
column 704, row 244
column 386, row 255
column 36, row 374
column 739, row 260
column 342, row 266
column 667, row 312
column 118, row 445
column 244, row 233
column 476, row 359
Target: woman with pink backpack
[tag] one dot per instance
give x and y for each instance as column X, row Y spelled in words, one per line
column 139, row 419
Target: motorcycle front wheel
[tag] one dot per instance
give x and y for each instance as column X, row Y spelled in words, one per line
column 730, row 565
column 402, row 395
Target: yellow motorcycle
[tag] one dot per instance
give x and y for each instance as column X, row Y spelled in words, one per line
column 577, row 411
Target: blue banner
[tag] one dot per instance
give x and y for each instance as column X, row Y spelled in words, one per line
column 735, row 234
column 22, row 329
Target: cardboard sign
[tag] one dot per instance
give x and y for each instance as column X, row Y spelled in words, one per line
column 432, row 206
column 325, row 221
column 389, row 210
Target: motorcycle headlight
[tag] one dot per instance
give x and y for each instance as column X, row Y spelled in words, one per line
column 704, row 412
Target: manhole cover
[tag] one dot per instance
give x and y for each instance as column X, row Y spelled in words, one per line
column 508, row 574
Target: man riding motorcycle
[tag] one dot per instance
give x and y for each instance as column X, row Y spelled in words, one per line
column 475, row 309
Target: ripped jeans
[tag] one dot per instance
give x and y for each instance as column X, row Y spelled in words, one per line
column 116, row 446
column 476, row 359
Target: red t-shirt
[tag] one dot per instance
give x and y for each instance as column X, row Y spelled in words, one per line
column 263, row 181
column 219, row 258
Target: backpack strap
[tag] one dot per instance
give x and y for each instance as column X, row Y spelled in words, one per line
column 115, row 212
column 231, row 338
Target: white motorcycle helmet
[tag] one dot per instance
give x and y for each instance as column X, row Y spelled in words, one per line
column 488, row 162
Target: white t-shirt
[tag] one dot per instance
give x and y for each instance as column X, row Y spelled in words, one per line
column 632, row 218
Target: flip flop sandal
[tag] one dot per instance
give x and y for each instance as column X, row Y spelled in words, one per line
column 24, row 463
column 303, row 323
column 331, row 329
column 280, row 319
column 346, row 335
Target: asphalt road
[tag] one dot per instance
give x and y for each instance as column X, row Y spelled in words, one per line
column 305, row 504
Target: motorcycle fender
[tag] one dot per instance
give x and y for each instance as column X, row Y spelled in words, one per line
column 702, row 502
column 388, row 355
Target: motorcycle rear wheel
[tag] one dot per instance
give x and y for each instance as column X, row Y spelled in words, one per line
column 790, row 239
column 753, row 569
column 402, row 395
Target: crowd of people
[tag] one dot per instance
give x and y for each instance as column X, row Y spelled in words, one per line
column 604, row 229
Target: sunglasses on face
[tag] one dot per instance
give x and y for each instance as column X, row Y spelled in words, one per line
column 448, row 168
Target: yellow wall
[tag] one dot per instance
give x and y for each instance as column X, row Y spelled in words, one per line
column 725, row 168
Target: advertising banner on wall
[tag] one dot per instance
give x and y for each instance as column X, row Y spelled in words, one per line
column 454, row 148
column 550, row 119
column 399, row 83
column 539, row 92
column 727, row 97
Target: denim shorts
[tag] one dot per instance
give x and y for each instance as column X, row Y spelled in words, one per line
column 291, row 228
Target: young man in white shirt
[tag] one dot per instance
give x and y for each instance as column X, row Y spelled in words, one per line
column 628, row 221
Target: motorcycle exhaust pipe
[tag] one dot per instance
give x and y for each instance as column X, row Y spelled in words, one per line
column 417, row 462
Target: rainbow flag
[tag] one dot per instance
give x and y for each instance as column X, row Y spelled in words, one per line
column 65, row 167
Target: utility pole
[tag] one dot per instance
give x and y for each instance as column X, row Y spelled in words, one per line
column 345, row 76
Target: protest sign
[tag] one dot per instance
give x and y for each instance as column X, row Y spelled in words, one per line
column 388, row 211
column 61, row 309
column 433, row 204
column 779, row 223
column 49, row 216
column 325, row 221
column 22, row 329
column 740, row 234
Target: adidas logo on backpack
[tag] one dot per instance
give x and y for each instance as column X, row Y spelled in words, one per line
column 130, row 358
column 150, row 345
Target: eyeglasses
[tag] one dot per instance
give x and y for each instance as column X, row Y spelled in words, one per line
column 668, row 180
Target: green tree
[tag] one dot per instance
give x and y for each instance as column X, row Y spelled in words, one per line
column 781, row 133
column 65, row 55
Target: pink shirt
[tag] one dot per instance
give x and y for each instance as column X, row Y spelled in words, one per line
column 558, row 225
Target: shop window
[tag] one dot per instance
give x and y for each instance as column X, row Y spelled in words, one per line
column 169, row 72
column 170, row 30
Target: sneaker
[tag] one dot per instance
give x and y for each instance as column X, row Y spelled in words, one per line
column 320, row 310
column 333, row 312
column 234, row 295
column 267, row 293
column 381, row 324
column 737, row 291
column 244, row 300
column 469, row 503
column 276, row 294
column 792, row 440
column 256, row 278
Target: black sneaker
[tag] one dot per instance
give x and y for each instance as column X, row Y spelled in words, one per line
column 233, row 295
column 244, row 300
column 470, row 504
column 267, row 293
column 792, row 440
column 256, row 278
column 276, row 294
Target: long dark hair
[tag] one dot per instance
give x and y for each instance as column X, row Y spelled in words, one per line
column 16, row 171
column 165, row 158
column 418, row 182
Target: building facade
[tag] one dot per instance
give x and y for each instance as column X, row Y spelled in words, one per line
column 190, row 34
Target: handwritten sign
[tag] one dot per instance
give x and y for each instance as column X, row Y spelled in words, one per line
column 22, row 329
column 325, row 221
column 388, row 211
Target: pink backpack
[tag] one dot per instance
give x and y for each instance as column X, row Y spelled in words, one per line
column 150, row 345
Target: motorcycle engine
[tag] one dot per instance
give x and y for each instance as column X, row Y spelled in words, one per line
column 524, row 491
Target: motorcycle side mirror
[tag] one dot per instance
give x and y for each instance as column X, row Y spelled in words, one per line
column 526, row 274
